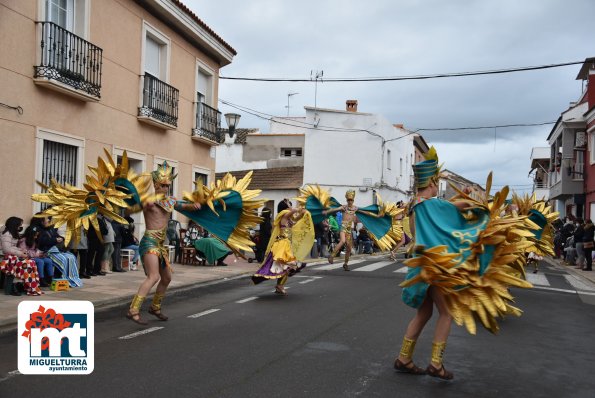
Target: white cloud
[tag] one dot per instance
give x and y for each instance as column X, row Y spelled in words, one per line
column 389, row 38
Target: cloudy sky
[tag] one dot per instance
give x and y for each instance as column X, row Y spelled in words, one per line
column 349, row 38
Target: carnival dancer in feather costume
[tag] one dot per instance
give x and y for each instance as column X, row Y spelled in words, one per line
column 381, row 220
column 466, row 253
column 291, row 241
column 541, row 214
column 226, row 209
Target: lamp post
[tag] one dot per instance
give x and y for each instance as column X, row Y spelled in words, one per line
column 232, row 120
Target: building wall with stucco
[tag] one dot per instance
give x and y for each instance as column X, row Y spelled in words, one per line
column 51, row 113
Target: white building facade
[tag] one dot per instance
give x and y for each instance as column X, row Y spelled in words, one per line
column 361, row 151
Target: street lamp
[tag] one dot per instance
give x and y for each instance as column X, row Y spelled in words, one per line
column 232, row 120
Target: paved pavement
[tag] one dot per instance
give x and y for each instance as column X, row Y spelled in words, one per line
column 117, row 288
column 587, row 277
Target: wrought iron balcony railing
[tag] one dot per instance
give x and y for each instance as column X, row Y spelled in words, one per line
column 208, row 121
column 160, row 100
column 69, row 59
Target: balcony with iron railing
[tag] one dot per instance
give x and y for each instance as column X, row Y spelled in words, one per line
column 159, row 103
column 208, row 122
column 68, row 63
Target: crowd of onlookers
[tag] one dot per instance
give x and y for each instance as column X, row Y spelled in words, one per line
column 574, row 242
column 35, row 256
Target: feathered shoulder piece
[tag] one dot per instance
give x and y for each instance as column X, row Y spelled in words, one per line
column 476, row 276
column 230, row 209
column 107, row 189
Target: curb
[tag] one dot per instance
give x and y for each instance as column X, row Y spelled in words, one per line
column 11, row 324
column 570, row 270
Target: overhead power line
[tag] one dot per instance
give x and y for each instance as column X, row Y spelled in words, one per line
column 486, row 127
column 305, row 125
column 397, row 78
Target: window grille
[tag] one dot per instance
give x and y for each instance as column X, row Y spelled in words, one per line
column 59, row 163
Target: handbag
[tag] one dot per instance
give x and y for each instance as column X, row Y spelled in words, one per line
column 588, row 245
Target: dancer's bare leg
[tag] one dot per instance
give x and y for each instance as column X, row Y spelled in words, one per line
column 331, row 258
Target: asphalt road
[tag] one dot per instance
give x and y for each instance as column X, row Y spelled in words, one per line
column 335, row 335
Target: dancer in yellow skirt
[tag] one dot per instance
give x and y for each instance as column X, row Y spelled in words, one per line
column 290, row 243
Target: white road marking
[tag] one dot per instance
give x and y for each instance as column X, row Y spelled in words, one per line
column 577, row 283
column 338, row 264
column 554, row 289
column 402, row 270
column 307, row 281
column 207, row 312
column 537, row 279
column 374, row 266
column 246, row 300
column 564, row 290
column 307, row 276
column 140, row 333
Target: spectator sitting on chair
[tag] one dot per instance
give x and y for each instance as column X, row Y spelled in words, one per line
column 173, row 236
column 16, row 263
column 365, row 240
column 193, row 233
column 129, row 240
column 45, row 267
column 212, row 250
column 50, row 242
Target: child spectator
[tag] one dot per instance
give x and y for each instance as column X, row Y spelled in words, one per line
column 45, row 266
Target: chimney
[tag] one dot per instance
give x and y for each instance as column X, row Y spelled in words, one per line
column 351, row 105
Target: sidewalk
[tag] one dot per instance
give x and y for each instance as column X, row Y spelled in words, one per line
column 586, row 276
column 118, row 288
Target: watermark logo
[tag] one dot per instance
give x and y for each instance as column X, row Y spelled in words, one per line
column 56, row 337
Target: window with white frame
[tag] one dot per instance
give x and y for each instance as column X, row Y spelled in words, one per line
column 579, row 165
column 60, row 12
column 201, row 178
column 200, row 174
column 156, row 53
column 591, row 148
column 291, row 152
column 60, row 158
column 204, row 85
column 69, row 16
column 72, row 15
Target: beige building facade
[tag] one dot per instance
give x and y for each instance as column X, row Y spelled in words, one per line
column 78, row 76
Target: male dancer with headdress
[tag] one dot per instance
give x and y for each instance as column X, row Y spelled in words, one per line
column 347, row 225
column 154, row 255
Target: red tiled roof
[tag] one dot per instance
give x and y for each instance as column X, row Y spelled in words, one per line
column 192, row 15
column 273, row 178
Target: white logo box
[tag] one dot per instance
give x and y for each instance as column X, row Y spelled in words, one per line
column 48, row 326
